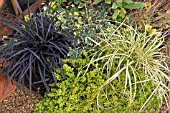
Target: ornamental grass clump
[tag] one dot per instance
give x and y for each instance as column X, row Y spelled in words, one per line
column 35, row 50
column 136, row 53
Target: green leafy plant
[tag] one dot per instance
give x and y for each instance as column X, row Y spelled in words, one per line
column 35, row 50
column 78, row 93
column 84, row 25
column 120, row 6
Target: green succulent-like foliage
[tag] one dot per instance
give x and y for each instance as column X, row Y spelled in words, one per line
column 78, row 93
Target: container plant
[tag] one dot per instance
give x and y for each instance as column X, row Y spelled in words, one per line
column 6, row 85
column 9, row 90
column 4, row 82
column 35, row 50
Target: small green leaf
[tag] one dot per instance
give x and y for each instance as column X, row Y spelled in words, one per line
column 76, row 2
column 128, row 1
column 81, row 5
column 114, row 6
column 122, row 13
column 108, row 1
column 134, row 5
column 119, row 2
column 97, row 1
column 116, row 13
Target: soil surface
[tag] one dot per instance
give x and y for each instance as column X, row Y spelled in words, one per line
column 19, row 102
column 5, row 13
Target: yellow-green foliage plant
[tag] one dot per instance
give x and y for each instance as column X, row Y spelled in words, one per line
column 78, row 93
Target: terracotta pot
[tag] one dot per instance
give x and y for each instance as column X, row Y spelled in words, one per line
column 10, row 89
column 1, row 2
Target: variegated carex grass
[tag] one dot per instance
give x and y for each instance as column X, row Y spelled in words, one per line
column 136, row 54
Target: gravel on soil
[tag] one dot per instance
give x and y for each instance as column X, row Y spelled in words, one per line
column 19, row 102
column 5, row 13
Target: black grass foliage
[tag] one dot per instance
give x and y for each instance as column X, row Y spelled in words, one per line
column 33, row 53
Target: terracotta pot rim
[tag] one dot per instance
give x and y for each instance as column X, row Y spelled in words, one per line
column 9, row 90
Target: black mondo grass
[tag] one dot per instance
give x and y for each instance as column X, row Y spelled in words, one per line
column 35, row 50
